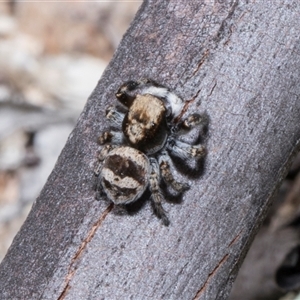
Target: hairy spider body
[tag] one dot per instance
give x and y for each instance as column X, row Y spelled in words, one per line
column 144, row 125
column 125, row 174
column 137, row 155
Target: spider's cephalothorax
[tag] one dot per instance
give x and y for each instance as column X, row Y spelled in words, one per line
column 137, row 155
column 144, row 125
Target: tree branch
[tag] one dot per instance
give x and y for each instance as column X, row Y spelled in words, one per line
column 240, row 61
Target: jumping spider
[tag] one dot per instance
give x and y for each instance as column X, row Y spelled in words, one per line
column 136, row 155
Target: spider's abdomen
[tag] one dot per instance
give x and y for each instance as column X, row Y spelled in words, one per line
column 144, row 124
column 124, row 175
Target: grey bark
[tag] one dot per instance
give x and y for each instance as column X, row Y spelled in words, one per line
column 239, row 62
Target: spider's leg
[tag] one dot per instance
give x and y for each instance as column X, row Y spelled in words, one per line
column 157, row 197
column 193, row 120
column 114, row 137
column 101, row 156
column 98, row 188
column 186, row 151
column 164, row 164
column 115, row 116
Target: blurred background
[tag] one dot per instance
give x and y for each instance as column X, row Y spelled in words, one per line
column 51, row 56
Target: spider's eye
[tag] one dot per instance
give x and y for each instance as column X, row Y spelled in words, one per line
column 121, row 96
column 131, row 85
column 124, row 98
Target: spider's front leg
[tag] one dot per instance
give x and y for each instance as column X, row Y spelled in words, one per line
column 156, row 192
column 164, row 164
